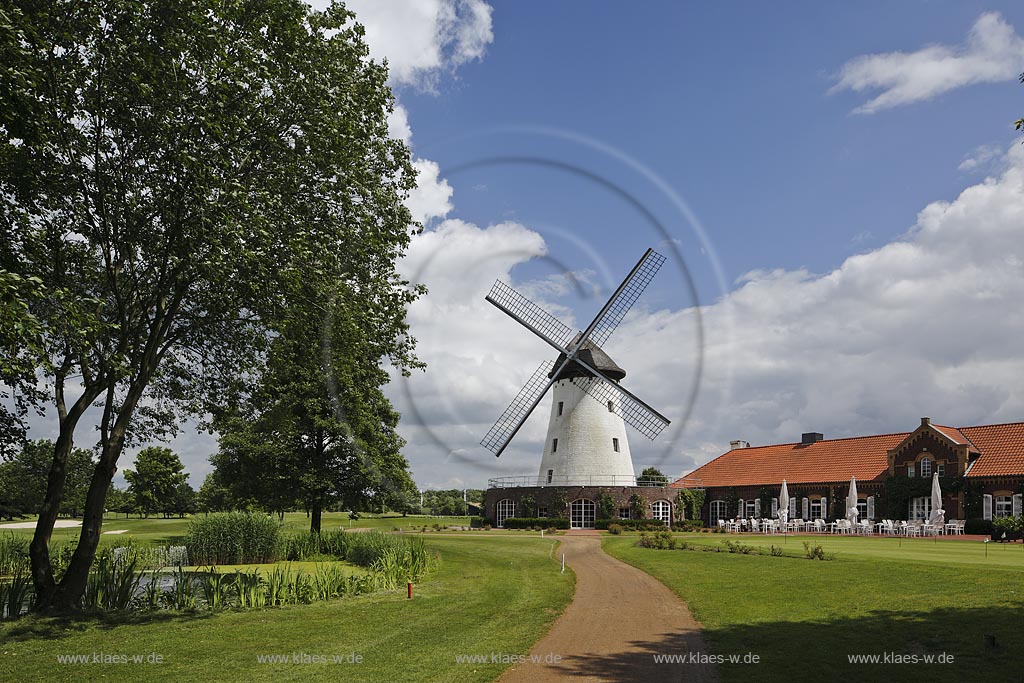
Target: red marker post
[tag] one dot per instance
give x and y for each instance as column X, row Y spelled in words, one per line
column 410, row 590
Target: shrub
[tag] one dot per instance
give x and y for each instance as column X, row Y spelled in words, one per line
column 816, row 552
column 13, row 554
column 776, row 551
column 660, row 540
column 480, row 522
column 689, row 525
column 233, row 538
column 632, row 524
column 528, row 522
column 615, row 529
column 738, row 547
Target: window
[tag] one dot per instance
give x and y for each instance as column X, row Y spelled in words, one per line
column 615, row 444
column 582, row 513
column 792, row 507
column 910, row 471
column 719, row 510
column 920, row 508
column 1003, row 506
column 663, row 511
column 816, row 512
column 554, row 445
column 611, row 406
column 751, row 508
column 542, row 512
column 506, row 508
column 623, row 513
column 862, row 509
column 551, row 473
column 926, row 467
column 561, row 404
column 940, row 467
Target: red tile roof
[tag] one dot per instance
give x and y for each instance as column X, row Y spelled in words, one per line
column 831, row 460
column 864, row 457
column 1001, row 447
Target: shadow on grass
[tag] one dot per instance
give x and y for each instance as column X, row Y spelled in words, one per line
column 33, row 627
column 821, row 650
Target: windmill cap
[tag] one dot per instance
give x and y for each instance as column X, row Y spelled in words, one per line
column 592, row 355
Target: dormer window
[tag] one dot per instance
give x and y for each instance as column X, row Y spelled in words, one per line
column 926, row 467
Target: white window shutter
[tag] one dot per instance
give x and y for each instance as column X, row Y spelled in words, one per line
column 986, row 506
column 871, row 507
column 775, row 507
column 807, row 508
column 792, row 507
column 757, row 507
column 743, row 509
column 1016, row 504
column 824, row 507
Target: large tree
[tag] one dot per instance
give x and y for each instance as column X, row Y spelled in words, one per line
column 23, row 488
column 177, row 174
column 155, row 482
column 318, row 431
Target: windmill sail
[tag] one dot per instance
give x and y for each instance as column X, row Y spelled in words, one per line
column 522, row 405
column 632, row 410
column 625, row 296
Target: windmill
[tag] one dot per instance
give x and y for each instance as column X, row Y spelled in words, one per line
column 591, row 429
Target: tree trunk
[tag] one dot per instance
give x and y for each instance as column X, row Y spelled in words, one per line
column 314, row 520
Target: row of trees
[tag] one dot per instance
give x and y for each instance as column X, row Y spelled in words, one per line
column 192, row 197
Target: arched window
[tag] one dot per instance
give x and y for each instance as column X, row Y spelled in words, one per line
column 582, row 513
column 719, row 510
column 663, row 511
column 926, row 466
column 506, row 508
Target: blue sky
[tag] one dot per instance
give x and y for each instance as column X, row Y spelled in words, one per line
column 840, row 183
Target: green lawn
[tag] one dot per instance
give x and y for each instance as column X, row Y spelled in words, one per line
column 802, row 618
column 490, row 594
column 164, row 531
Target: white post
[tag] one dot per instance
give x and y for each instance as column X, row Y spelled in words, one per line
column 563, row 562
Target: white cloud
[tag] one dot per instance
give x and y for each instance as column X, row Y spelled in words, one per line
column 980, row 157
column 432, row 197
column 421, row 39
column 929, row 324
column 993, row 52
column 398, row 124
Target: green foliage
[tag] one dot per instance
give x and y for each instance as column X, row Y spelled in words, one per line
column 631, row 524
column 983, row 527
column 13, row 554
column 606, row 506
column 23, row 480
column 816, row 552
column 738, row 547
column 536, row 523
column 691, row 503
column 15, row 595
column 158, row 483
column 233, row 538
column 214, row 586
column 637, row 506
column 113, row 583
column 559, row 504
column 615, row 529
column 182, row 595
column 445, row 502
column 653, row 474
column 527, row 506
column 660, row 540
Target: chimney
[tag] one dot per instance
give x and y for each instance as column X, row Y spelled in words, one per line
column 733, row 445
column 925, row 421
column 808, row 438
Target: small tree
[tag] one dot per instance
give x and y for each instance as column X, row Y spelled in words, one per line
column 637, row 507
column 156, row 480
column 606, row 506
column 527, row 506
column 558, row 505
column 653, row 474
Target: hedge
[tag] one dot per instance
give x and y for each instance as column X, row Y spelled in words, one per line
column 631, row 524
column 541, row 522
column 978, row 526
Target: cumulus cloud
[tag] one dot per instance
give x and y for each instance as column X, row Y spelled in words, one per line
column 993, row 52
column 432, row 197
column 423, row 39
column 928, row 324
column 980, row 158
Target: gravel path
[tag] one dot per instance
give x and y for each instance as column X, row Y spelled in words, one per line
column 618, row 620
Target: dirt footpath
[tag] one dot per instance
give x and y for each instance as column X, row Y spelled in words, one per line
column 618, row 620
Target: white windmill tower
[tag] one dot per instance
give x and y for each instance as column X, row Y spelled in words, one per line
column 586, row 442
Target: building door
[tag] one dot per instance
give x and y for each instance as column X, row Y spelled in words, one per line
column 582, row 514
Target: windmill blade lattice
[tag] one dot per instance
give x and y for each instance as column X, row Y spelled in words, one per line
column 502, row 431
column 533, row 317
column 635, row 413
column 628, row 293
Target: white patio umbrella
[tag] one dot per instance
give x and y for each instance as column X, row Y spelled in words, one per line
column 851, row 502
column 784, row 504
column 938, row 516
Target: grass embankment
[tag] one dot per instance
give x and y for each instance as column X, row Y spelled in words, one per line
column 496, row 594
column 879, row 595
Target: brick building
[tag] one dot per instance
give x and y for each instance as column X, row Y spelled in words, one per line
column 981, row 472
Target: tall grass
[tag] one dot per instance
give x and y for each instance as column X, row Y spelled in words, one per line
column 250, row 591
column 13, row 554
column 215, row 589
column 15, row 595
column 233, row 538
column 113, row 583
